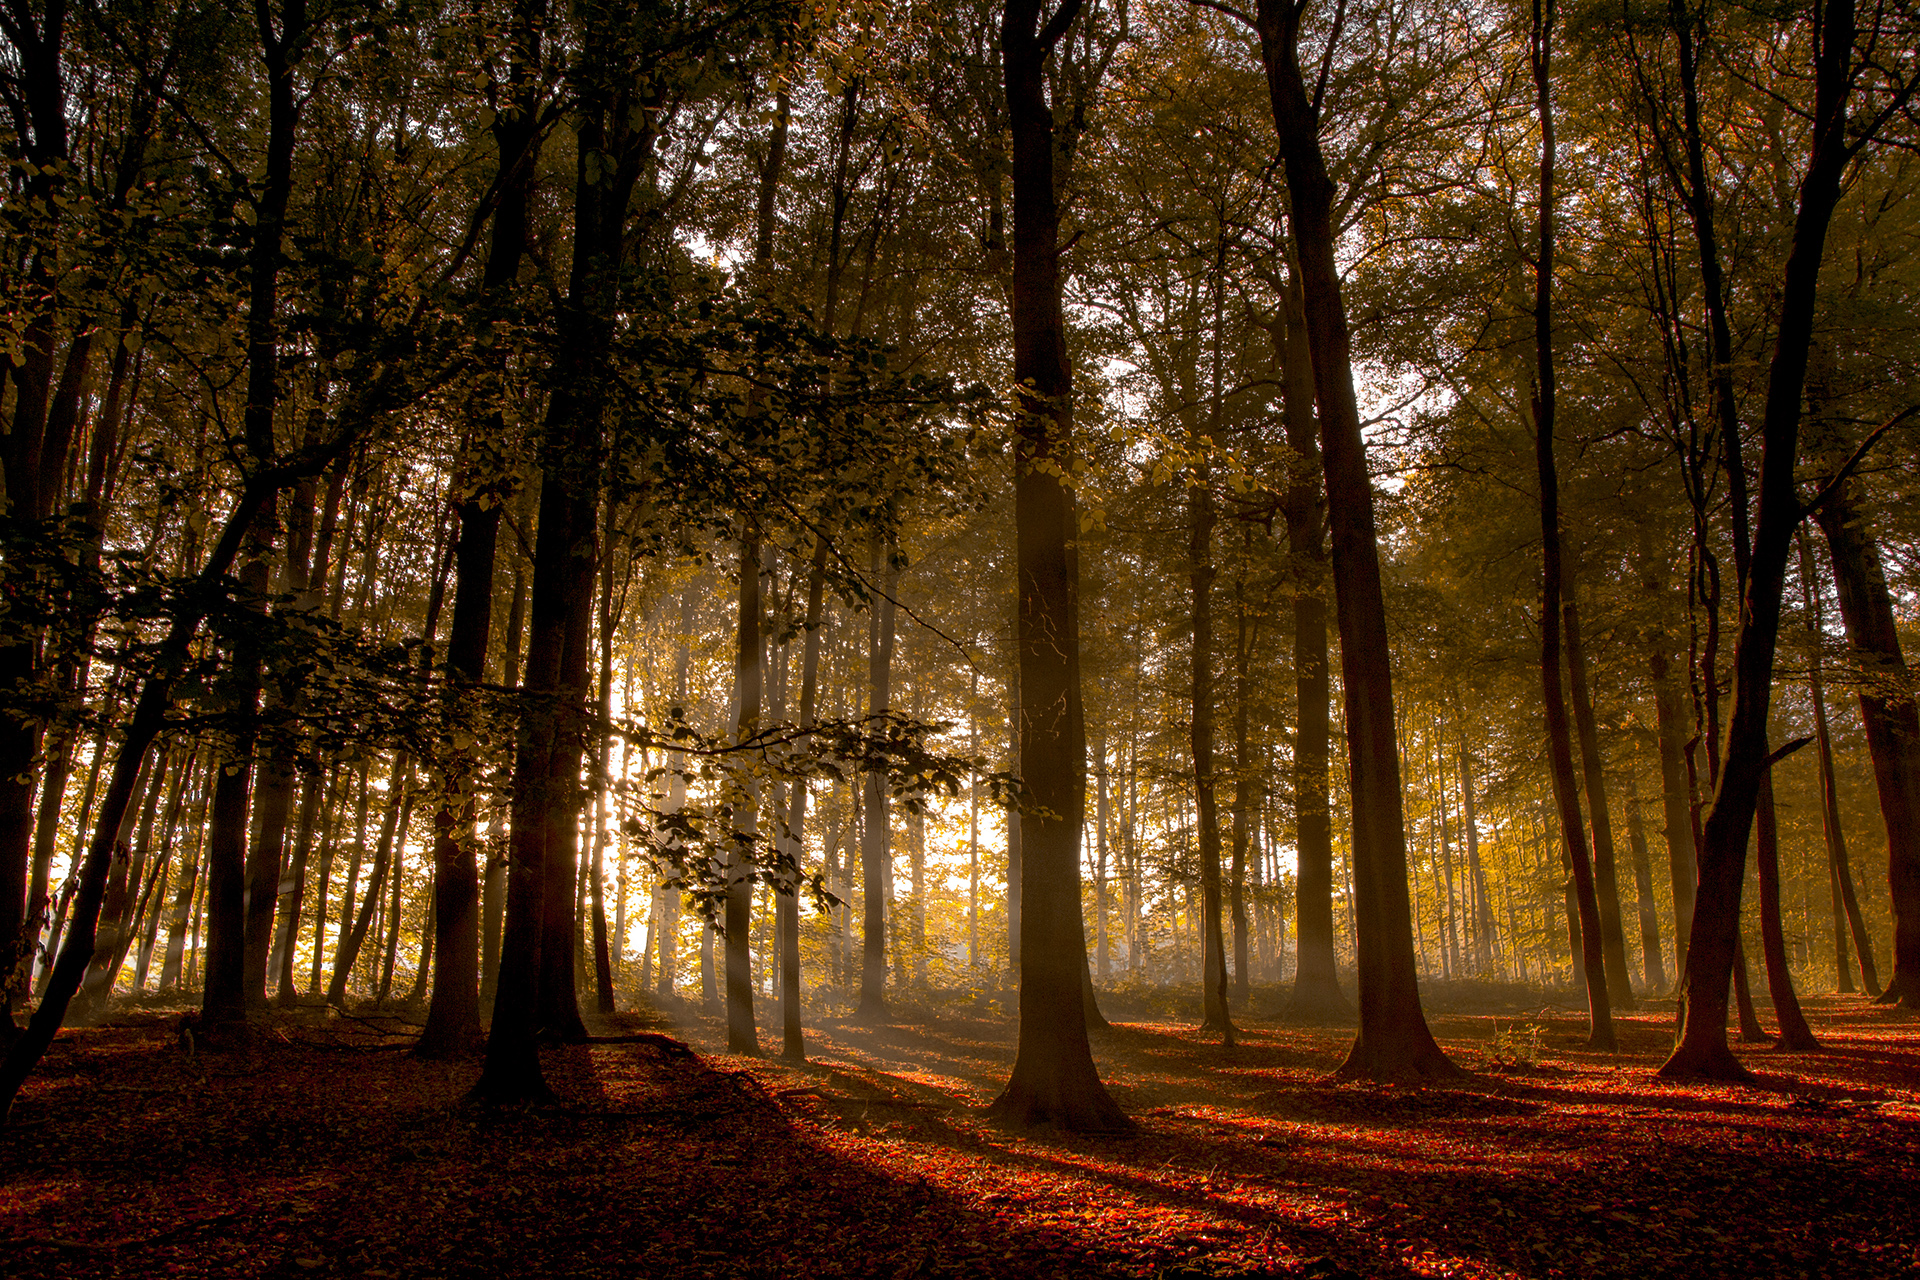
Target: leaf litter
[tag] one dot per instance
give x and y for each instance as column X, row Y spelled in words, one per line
column 306, row 1153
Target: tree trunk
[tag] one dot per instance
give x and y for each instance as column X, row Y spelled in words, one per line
column 1703, row 1049
column 1316, row 996
column 1795, row 1034
column 1652, row 966
column 1591, row 962
column 1676, row 790
column 1606, row 884
column 876, row 851
column 1243, row 785
column 1054, row 1079
column 1892, row 728
column 353, row 938
column 1215, row 1015
column 1393, row 1041
column 742, row 1036
column 1846, row 906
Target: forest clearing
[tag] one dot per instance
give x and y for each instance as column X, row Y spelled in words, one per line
column 326, row 1150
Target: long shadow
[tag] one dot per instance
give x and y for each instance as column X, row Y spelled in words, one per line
column 312, row 1163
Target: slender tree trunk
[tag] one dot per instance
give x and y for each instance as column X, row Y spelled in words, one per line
column 1652, row 967
column 353, row 938
column 793, row 1037
column 1215, row 1016
column 1795, row 1034
column 1243, row 784
column 742, row 1036
column 1888, row 713
column 1573, row 836
column 1846, row 906
column 1703, row 1050
column 876, row 852
column 1606, row 884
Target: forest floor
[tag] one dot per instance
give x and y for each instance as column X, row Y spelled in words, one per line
column 322, row 1149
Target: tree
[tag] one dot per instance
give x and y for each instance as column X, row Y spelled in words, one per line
column 1054, row 1079
column 1393, row 1040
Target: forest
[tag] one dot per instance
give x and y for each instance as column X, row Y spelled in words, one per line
column 1112, row 637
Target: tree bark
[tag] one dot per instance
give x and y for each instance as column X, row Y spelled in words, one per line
column 1795, row 1034
column 1606, row 883
column 1846, row 906
column 742, row 1036
column 1591, row 961
column 1653, row 968
column 1892, row 727
column 1054, row 1079
column 876, row 837
column 1316, row 995
column 1394, row 1041
column 1703, row 1050
column 1215, row 1016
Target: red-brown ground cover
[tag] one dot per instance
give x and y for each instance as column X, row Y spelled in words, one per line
column 321, row 1150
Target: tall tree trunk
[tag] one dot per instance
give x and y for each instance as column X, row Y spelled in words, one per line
column 535, row 992
column 453, row 1010
column 1703, row 1050
column 1846, row 906
column 1892, row 727
column 37, row 82
column 1591, row 961
column 229, row 986
column 1606, row 884
column 1054, row 1079
column 1316, row 995
column 793, row 1037
column 1243, row 782
column 1652, row 966
column 1795, row 1034
column 1393, row 1041
column 742, row 1036
column 1215, row 1015
column 876, row 848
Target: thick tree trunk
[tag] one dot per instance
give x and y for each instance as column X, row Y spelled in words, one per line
column 1703, row 1049
column 230, row 987
column 1316, row 996
column 1394, row 1041
column 1054, row 1079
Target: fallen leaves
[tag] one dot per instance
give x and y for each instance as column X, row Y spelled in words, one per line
column 288, row 1157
